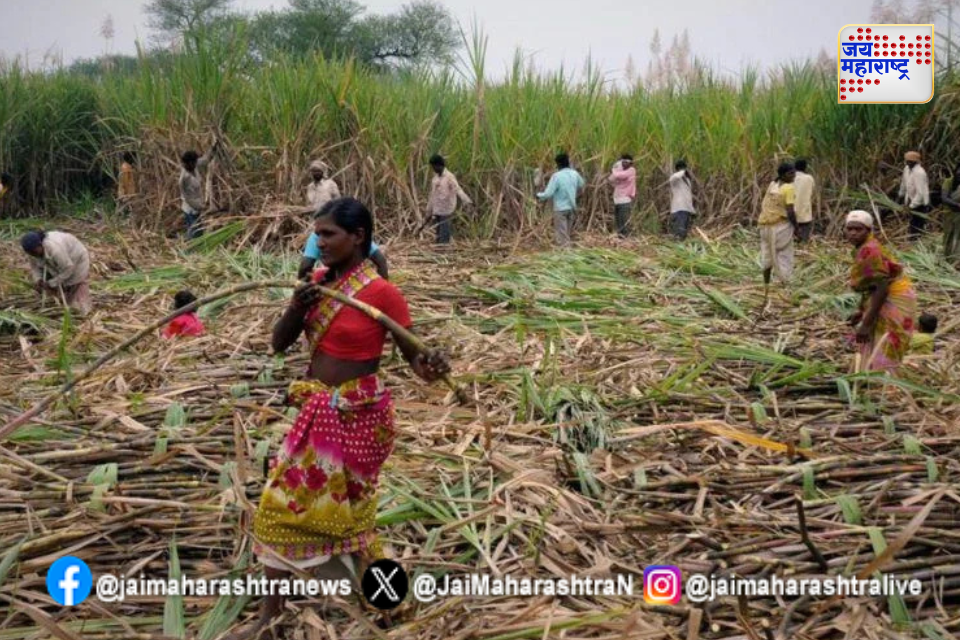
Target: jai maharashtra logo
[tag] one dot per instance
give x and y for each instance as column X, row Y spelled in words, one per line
column 885, row 63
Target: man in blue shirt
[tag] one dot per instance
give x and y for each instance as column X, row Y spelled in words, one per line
column 563, row 188
column 311, row 255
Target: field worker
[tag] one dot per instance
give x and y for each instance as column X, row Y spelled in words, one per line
column 191, row 189
column 951, row 218
column 444, row 191
column 6, row 184
column 681, row 200
column 562, row 189
column 885, row 319
column 623, row 177
column 915, row 193
column 126, row 183
column 777, row 222
column 59, row 263
column 804, row 186
column 322, row 190
column 312, row 253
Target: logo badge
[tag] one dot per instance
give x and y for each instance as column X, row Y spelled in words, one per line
column 885, row 63
column 69, row 581
column 661, row 585
column 385, row 584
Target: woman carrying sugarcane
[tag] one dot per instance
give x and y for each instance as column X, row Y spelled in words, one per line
column 318, row 507
column 885, row 319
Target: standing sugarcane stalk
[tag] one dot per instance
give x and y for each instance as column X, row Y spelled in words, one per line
column 373, row 312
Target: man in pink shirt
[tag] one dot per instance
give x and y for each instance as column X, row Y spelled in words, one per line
column 623, row 177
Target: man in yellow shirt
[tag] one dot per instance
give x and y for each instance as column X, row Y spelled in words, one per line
column 804, row 186
column 6, row 184
column 951, row 218
column 777, row 223
column 126, row 183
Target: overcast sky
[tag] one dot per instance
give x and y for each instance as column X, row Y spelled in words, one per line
column 726, row 33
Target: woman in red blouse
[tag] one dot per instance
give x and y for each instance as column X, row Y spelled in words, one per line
column 319, row 503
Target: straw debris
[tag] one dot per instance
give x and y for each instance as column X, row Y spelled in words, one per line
column 641, row 412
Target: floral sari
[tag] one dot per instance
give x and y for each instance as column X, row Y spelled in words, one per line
column 320, row 498
column 890, row 340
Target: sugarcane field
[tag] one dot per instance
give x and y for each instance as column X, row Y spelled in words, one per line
column 316, row 324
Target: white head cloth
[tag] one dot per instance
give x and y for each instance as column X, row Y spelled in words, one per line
column 860, row 217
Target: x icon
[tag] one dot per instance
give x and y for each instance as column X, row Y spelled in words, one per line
column 384, row 582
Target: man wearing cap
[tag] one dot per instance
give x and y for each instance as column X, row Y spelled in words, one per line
column 61, row 266
column 322, row 190
column 915, row 193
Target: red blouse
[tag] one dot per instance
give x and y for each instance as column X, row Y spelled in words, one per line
column 188, row 324
column 355, row 336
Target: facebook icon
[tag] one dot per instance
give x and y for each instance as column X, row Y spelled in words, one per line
column 69, row 581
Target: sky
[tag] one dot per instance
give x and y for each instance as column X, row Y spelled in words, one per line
column 728, row 34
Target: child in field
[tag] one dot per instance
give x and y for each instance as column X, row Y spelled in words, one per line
column 187, row 324
column 922, row 341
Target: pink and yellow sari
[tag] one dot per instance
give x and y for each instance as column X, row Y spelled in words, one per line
column 320, row 497
column 890, row 341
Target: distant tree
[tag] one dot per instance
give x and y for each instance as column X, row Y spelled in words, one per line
column 891, row 12
column 944, row 14
column 308, row 26
column 98, row 67
column 173, row 19
column 422, row 32
column 120, row 64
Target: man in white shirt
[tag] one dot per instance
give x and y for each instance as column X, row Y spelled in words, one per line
column 803, row 186
column 681, row 200
column 193, row 167
column 322, row 190
column 915, row 193
column 59, row 262
column 444, row 192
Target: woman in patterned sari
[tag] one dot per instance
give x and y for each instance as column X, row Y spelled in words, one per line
column 318, row 507
column 885, row 319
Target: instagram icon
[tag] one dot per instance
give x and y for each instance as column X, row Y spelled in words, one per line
column 661, row 584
